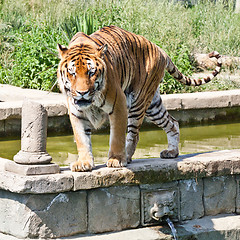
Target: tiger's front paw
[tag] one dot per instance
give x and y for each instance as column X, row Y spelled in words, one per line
column 115, row 163
column 82, row 166
column 169, row 153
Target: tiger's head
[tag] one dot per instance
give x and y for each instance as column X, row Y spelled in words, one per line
column 81, row 73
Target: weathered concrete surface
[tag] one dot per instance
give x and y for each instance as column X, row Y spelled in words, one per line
column 140, row 171
column 113, row 209
column 219, row 195
column 11, row 93
column 151, row 171
column 29, row 170
column 222, row 227
column 238, row 195
column 37, row 216
column 204, row 184
column 11, row 108
column 53, row 183
column 191, row 195
column 201, row 100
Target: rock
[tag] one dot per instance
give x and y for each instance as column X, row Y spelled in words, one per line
column 113, row 209
column 191, row 195
column 47, row 216
column 204, row 61
column 219, row 195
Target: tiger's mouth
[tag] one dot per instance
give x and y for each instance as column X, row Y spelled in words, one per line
column 82, row 102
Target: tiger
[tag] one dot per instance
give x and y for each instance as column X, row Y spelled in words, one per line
column 114, row 75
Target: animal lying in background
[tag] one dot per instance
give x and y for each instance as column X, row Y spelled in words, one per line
column 114, row 73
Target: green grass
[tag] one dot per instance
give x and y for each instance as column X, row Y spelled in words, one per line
column 30, row 31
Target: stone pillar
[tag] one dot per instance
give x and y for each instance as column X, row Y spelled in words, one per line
column 34, row 135
column 33, row 158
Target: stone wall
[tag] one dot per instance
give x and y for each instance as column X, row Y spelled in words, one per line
column 105, row 200
column 190, row 108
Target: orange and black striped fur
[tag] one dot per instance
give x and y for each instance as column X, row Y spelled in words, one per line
column 114, row 73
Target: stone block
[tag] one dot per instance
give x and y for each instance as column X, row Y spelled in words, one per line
column 191, row 195
column 102, row 177
column 43, row 216
column 235, row 98
column 38, row 184
column 10, row 110
column 219, row 195
column 2, row 127
column 29, row 170
column 238, row 194
column 55, row 108
column 172, row 101
column 113, row 209
column 59, row 124
column 13, row 126
column 209, row 99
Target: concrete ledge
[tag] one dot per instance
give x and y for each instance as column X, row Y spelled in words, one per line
column 195, row 107
column 55, row 107
column 140, row 171
column 52, row 183
column 64, row 204
column 56, row 104
column 221, row 227
column 202, row 100
column 29, row 170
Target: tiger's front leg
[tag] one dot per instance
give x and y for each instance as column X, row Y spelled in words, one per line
column 82, row 134
column 118, row 126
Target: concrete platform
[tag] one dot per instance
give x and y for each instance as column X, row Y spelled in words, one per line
column 108, row 200
column 221, row 227
column 140, row 171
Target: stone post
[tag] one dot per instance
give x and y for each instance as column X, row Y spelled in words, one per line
column 34, row 135
column 33, row 158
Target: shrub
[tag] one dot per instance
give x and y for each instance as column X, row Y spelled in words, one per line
column 31, row 64
column 30, row 30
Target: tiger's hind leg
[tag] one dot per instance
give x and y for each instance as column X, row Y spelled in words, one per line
column 135, row 119
column 132, row 138
column 160, row 116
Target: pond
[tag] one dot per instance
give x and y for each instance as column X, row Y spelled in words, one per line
column 152, row 141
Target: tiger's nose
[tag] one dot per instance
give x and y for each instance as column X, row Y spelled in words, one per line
column 82, row 93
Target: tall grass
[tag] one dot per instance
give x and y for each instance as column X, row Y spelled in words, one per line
column 30, row 30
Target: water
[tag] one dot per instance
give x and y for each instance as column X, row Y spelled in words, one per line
column 173, row 229
column 152, row 142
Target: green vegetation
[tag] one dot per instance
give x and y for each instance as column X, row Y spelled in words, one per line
column 31, row 29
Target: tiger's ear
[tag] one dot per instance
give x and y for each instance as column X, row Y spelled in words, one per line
column 102, row 50
column 62, row 50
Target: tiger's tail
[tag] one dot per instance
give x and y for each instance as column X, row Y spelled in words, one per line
column 172, row 69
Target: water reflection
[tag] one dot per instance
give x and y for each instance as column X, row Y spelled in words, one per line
column 193, row 140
